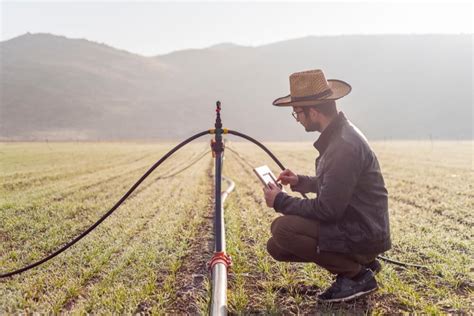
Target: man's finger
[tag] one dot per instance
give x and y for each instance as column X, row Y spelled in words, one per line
column 282, row 174
column 272, row 185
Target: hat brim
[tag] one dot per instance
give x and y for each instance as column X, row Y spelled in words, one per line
column 339, row 89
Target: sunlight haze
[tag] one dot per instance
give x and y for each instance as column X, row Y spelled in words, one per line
column 151, row 28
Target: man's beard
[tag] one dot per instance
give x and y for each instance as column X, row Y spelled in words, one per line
column 313, row 127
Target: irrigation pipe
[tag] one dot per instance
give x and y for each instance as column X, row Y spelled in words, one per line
column 219, row 269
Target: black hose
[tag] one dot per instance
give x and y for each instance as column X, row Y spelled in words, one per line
column 264, row 148
column 259, row 145
column 83, row 234
column 403, row 264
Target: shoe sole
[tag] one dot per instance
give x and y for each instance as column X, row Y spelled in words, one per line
column 349, row 298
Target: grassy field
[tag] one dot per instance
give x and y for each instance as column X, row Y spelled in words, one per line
column 150, row 255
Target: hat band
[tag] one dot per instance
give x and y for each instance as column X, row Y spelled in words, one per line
column 313, row 96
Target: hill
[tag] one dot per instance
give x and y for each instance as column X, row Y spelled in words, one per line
column 404, row 87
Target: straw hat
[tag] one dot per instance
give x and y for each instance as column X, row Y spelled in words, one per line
column 311, row 88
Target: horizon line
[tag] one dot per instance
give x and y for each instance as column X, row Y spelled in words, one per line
column 231, row 43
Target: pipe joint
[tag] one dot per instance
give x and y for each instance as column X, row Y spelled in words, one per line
column 212, row 131
column 220, row 257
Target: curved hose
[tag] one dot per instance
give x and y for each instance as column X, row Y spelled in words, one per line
column 259, row 144
column 264, row 148
column 403, row 264
column 87, row 231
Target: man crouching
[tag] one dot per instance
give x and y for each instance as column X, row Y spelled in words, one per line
column 346, row 226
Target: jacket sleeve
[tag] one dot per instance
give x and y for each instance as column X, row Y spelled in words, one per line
column 339, row 179
column 305, row 184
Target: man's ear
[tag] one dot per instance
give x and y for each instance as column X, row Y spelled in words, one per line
column 313, row 113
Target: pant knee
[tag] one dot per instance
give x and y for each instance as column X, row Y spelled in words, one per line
column 271, row 247
column 274, row 250
column 282, row 227
column 282, row 231
column 276, row 222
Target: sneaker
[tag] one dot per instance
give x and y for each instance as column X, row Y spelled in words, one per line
column 345, row 289
column 375, row 266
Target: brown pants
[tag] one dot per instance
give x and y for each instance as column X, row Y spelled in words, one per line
column 295, row 238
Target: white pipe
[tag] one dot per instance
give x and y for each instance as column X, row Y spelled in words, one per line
column 230, row 188
column 219, row 290
column 219, row 270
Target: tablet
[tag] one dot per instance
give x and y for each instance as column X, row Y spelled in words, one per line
column 266, row 175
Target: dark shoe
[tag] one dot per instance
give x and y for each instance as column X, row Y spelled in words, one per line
column 375, row 266
column 345, row 289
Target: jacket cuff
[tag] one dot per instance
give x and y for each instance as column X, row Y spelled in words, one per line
column 302, row 185
column 278, row 203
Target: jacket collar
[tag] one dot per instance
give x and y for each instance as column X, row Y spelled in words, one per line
column 325, row 138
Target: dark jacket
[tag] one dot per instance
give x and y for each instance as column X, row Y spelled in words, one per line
column 351, row 202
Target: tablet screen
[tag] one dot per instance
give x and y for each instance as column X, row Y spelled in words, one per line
column 265, row 175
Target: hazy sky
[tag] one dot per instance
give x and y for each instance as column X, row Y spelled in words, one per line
column 152, row 28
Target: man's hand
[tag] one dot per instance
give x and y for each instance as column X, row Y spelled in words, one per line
column 288, row 177
column 271, row 192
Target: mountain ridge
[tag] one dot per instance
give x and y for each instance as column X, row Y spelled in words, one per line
column 79, row 87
